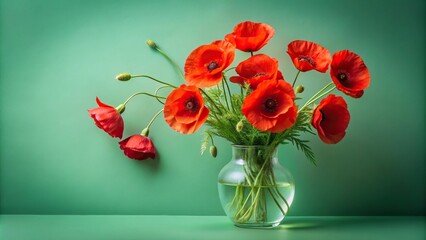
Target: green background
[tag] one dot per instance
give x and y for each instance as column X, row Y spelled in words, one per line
column 56, row 56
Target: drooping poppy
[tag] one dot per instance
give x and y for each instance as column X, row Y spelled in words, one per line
column 250, row 36
column 331, row 118
column 108, row 118
column 184, row 109
column 204, row 66
column 271, row 106
column 349, row 73
column 308, row 56
column 255, row 70
column 138, row 147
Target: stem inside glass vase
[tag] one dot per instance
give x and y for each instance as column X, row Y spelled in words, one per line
column 255, row 190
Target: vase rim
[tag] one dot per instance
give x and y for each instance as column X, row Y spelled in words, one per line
column 250, row 146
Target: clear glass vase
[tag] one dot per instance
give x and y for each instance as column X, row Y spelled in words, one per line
column 254, row 189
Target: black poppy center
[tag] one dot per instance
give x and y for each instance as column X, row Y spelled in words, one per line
column 342, row 77
column 307, row 59
column 270, row 105
column 212, row 66
column 191, row 105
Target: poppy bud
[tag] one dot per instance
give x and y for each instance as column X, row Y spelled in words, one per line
column 239, row 126
column 300, row 89
column 145, row 132
column 213, row 151
column 151, row 43
column 120, row 108
column 123, row 77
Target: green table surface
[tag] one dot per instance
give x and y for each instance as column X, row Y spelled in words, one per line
column 77, row 227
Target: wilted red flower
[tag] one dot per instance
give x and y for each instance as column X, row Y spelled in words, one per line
column 255, row 70
column 108, row 119
column 331, row 118
column 204, row 66
column 308, row 56
column 250, row 36
column 271, row 106
column 138, row 147
column 184, row 109
column 349, row 73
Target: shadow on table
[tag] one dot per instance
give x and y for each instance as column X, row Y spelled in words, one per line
column 306, row 223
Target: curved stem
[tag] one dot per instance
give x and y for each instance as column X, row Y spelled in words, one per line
column 224, row 72
column 229, row 92
column 155, row 117
column 156, row 92
column 295, row 79
column 211, row 100
column 142, row 93
column 152, row 78
column 171, row 61
column 316, row 98
column 224, row 93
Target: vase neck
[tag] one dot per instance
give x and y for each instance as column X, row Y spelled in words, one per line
column 254, row 153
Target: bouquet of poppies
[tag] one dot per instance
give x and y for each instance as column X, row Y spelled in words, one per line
column 249, row 103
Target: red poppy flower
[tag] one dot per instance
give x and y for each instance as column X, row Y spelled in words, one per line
column 204, row 66
column 331, row 118
column 138, row 147
column 349, row 73
column 271, row 106
column 308, row 56
column 255, row 70
column 250, row 36
column 184, row 109
column 108, row 119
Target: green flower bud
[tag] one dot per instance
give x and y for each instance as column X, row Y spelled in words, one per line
column 151, row 43
column 239, row 126
column 300, row 89
column 120, row 108
column 123, row 77
column 145, row 132
column 213, row 151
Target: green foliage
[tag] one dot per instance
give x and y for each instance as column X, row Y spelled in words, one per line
column 225, row 114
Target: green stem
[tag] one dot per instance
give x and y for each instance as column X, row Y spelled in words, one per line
column 229, row 69
column 158, row 89
column 142, row 93
column 211, row 138
column 321, row 90
column 276, row 201
column 295, row 79
column 155, row 117
column 316, row 98
column 159, row 81
column 224, row 94
column 171, row 61
column 229, row 92
column 211, row 100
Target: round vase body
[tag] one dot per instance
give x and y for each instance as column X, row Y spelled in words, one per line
column 255, row 190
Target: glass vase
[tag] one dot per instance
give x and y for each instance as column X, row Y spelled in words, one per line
column 255, row 190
